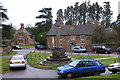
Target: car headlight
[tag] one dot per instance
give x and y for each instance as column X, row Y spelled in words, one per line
column 61, row 71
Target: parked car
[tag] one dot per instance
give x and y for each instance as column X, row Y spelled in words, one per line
column 17, row 61
column 79, row 49
column 16, row 47
column 81, row 67
column 114, row 68
column 101, row 49
column 118, row 50
column 38, row 46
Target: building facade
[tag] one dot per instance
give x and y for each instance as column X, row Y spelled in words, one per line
column 22, row 37
column 70, row 36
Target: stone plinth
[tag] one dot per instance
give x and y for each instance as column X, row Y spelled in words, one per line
column 58, row 58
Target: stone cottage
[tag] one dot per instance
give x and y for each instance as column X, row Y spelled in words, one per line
column 22, row 37
column 71, row 35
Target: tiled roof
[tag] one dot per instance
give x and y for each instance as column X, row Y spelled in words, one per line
column 73, row 30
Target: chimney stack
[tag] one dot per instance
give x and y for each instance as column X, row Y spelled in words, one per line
column 22, row 26
column 74, row 24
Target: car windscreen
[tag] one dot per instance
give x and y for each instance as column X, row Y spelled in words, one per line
column 17, row 58
column 74, row 63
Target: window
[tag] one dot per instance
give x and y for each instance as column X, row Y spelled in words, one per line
column 73, row 37
column 21, row 34
column 20, row 41
column 82, row 37
column 53, row 41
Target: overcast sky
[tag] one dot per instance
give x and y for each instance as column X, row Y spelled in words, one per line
column 25, row 11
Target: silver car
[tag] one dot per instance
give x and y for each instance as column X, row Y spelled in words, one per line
column 114, row 68
column 17, row 61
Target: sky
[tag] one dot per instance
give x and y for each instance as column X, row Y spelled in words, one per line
column 25, row 11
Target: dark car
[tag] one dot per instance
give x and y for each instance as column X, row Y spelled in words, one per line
column 101, row 49
column 38, row 46
column 81, row 67
column 16, row 47
column 118, row 50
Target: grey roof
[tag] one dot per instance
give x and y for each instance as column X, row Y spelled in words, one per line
column 73, row 30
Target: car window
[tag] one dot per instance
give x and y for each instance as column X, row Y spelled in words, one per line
column 17, row 58
column 76, row 48
column 90, row 63
column 74, row 63
column 98, row 63
column 81, row 64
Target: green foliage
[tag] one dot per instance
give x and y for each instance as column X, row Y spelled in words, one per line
column 3, row 15
column 102, row 35
column 4, row 64
column 107, row 13
column 7, row 32
column 43, row 26
column 98, row 35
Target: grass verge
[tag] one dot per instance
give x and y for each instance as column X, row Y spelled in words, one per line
column 102, row 77
column 27, row 46
column 4, row 64
column 10, row 53
column 33, row 58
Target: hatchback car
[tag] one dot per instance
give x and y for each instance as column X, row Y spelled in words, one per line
column 16, row 47
column 81, row 67
column 114, row 68
column 17, row 61
column 101, row 49
column 79, row 49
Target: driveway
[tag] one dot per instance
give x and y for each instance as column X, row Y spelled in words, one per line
column 31, row 72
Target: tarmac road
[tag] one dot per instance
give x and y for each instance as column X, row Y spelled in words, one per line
column 31, row 72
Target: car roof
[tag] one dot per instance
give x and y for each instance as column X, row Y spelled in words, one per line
column 86, row 59
column 17, row 56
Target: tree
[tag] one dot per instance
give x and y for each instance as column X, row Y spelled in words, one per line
column 98, row 35
column 3, row 15
column 107, row 13
column 7, row 30
column 44, row 25
column 60, row 17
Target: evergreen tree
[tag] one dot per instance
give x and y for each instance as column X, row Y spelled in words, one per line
column 44, row 25
column 107, row 13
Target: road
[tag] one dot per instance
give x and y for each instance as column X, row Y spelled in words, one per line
column 31, row 72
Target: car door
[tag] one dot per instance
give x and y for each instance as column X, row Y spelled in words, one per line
column 79, row 69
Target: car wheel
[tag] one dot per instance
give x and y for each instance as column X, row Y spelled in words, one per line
column 114, row 71
column 95, row 52
column 10, row 68
column 69, row 75
column 96, row 73
column 106, row 52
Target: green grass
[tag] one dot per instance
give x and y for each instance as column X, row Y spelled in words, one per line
column 4, row 64
column 27, row 46
column 106, row 62
column 33, row 58
column 102, row 77
column 84, row 56
column 11, row 53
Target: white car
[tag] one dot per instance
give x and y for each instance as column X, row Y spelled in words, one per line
column 114, row 68
column 79, row 49
column 17, row 61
